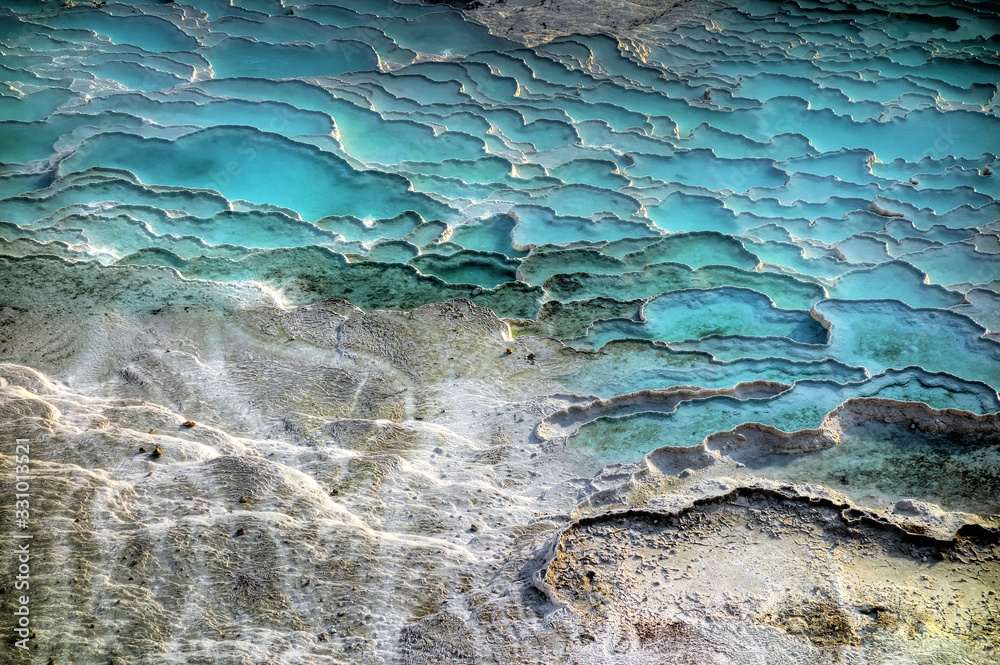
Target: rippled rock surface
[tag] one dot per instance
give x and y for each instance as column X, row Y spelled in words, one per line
column 363, row 331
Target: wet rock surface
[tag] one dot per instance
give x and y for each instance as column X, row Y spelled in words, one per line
column 501, row 332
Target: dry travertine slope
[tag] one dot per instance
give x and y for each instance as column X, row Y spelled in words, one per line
column 384, row 486
column 368, row 487
column 538, row 21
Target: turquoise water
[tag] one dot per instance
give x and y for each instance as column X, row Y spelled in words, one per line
column 760, row 196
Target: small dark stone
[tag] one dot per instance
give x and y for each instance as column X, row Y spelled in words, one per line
column 189, row 423
column 240, row 531
column 334, row 492
column 142, row 450
column 243, row 499
column 474, row 527
column 158, row 452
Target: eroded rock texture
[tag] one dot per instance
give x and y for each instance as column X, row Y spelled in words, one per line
column 364, row 331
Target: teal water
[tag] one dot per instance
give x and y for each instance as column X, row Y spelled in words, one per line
column 336, row 326
column 761, row 196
